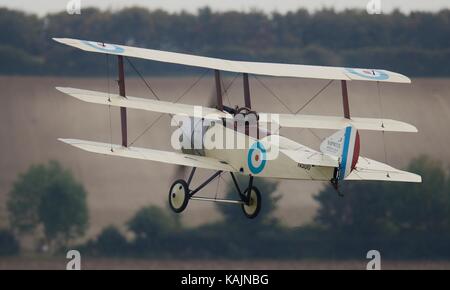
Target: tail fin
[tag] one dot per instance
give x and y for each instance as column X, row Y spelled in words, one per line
column 343, row 144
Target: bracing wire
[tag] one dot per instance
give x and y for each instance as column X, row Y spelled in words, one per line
column 309, row 102
column 272, row 93
column 176, row 101
column 192, row 86
column 226, row 88
column 381, row 117
column 109, row 99
column 143, row 79
column 284, row 104
column 314, row 96
column 217, row 186
column 147, row 129
column 225, row 93
column 303, row 106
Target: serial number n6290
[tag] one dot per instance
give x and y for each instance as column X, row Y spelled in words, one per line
column 304, row 166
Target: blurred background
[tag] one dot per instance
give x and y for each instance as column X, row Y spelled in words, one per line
column 114, row 211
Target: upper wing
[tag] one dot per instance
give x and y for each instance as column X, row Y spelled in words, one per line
column 144, row 104
column 259, row 68
column 335, row 122
column 368, row 169
column 151, row 154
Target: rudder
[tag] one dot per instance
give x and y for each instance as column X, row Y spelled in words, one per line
column 345, row 145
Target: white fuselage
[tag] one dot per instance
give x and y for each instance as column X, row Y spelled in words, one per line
column 269, row 156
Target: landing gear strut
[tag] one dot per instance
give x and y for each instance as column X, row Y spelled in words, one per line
column 335, row 182
column 180, row 194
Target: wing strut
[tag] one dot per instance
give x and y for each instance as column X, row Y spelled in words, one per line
column 248, row 103
column 345, row 99
column 218, row 90
column 123, row 110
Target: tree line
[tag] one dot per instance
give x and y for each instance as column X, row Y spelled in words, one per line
column 401, row 220
column 417, row 44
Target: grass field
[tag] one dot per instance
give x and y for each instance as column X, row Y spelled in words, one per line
column 130, row 264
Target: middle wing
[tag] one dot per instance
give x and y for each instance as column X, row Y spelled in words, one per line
column 336, row 123
column 284, row 120
column 143, row 104
column 151, row 154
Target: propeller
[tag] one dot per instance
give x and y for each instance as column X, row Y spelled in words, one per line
column 181, row 171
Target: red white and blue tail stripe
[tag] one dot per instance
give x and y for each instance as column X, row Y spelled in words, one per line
column 350, row 152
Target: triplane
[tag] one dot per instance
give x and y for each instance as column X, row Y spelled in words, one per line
column 337, row 160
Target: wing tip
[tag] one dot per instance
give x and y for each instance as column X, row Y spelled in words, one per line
column 418, row 178
column 397, row 126
column 395, row 77
column 66, row 90
column 65, row 140
column 61, row 89
column 410, row 128
column 59, row 39
column 399, row 78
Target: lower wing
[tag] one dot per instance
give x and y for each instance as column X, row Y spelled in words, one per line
column 368, row 169
column 150, row 154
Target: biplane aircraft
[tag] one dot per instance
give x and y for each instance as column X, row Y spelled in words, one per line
column 337, row 159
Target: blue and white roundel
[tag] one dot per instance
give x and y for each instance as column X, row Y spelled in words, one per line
column 104, row 47
column 371, row 74
column 256, row 158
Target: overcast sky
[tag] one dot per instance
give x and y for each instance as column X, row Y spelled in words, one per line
column 44, row 6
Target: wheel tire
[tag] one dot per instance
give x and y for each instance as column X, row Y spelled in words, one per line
column 252, row 209
column 178, row 195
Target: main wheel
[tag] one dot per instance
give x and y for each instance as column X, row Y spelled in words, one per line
column 252, row 208
column 178, row 195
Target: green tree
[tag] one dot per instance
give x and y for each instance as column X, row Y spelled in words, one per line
column 236, row 236
column 415, row 43
column 233, row 214
column 422, row 207
column 152, row 222
column 404, row 220
column 153, row 228
column 48, row 197
column 9, row 245
column 389, row 208
column 111, row 242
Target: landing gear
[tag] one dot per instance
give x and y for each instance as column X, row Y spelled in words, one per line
column 335, row 182
column 180, row 194
column 252, row 207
